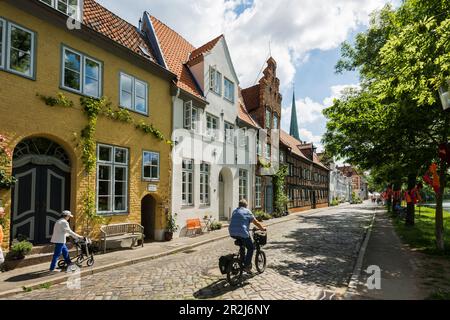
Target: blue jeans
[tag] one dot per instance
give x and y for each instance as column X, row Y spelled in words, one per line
column 248, row 244
column 60, row 248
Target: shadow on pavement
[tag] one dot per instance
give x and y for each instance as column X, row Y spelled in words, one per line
column 30, row 276
column 324, row 251
column 220, row 287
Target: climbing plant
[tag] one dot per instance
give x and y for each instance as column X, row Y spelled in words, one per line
column 6, row 180
column 280, row 198
column 61, row 100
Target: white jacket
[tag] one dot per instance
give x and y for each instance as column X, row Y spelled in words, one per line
column 61, row 230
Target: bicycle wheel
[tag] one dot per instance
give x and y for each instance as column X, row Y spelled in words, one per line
column 61, row 264
column 234, row 272
column 80, row 260
column 90, row 261
column 260, row 261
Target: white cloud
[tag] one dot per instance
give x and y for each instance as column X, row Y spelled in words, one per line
column 292, row 27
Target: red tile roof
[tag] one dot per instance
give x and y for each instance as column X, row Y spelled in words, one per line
column 251, row 97
column 197, row 55
column 245, row 116
column 176, row 51
column 100, row 19
column 296, row 146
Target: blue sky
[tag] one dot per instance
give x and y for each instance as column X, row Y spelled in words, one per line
column 304, row 36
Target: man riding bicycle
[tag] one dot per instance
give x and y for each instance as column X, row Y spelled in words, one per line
column 240, row 230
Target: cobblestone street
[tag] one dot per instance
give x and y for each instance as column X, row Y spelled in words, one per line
column 306, row 256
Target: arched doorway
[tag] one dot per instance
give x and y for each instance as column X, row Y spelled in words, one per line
column 148, row 217
column 42, row 169
column 225, row 194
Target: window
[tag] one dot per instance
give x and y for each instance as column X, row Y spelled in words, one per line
column 268, row 151
column 229, row 90
column 81, row 74
column 187, row 181
column 215, row 81
column 242, row 137
column 229, row 132
column 258, row 187
column 191, row 116
column 69, row 7
column 243, row 184
column 133, row 93
column 150, row 165
column 212, row 124
column 17, row 46
column 275, row 121
column 282, row 156
column 291, row 170
column 259, row 147
column 204, row 183
column 112, row 179
column 268, row 118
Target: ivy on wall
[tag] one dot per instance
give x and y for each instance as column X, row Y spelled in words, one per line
column 280, row 197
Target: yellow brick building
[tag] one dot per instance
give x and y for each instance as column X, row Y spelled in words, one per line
column 106, row 57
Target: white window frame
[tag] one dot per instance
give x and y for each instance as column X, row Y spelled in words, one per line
column 211, row 132
column 7, row 44
column 258, row 192
column 112, row 192
column 259, row 147
column 242, row 137
column 83, row 59
column 133, row 93
column 189, row 122
column 186, row 183
column 144, row 164
column 205, row 187
column 268, row 153
column 228, row 132
column 54, row 5
column 215, row 81
column 3, row 45
column 230, row 96
column 243, row 184
column 277, row 123
column 268, row 119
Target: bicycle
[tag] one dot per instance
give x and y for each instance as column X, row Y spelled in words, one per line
column 233, row 265
column 85, row 253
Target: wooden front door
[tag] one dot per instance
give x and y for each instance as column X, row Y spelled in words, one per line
column 269, row 199
column 41, row 193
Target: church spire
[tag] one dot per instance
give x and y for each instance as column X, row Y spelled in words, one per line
column 294, row 124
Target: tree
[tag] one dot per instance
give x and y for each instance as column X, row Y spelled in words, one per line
column 402, row 59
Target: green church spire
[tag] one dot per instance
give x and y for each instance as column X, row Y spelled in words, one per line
column 294, row 124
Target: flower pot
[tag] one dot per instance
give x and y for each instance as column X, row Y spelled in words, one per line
column 168, row 236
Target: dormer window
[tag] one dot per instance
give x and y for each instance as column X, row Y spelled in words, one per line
column 72, row 8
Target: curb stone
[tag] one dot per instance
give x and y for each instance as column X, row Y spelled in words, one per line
column 354, row 280
column 96, row 270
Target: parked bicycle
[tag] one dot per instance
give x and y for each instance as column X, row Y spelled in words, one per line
column 233, row 264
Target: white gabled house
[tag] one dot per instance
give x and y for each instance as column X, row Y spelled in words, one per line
column 214, row 153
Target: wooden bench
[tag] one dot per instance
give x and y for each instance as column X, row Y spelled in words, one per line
column 122, row 231
column 193, row 225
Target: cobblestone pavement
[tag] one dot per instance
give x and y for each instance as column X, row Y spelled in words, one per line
column 307, row 256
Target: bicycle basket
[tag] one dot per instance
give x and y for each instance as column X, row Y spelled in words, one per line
column 261, row 238
column 224, row 261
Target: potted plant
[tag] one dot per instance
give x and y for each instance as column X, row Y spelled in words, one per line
column 171, row 227
column 19, row 249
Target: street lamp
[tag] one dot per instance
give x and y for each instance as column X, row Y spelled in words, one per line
column 444, row 94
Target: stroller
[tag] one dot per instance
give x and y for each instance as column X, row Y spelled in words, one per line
column 85, row 253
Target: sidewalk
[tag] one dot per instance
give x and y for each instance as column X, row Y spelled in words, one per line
column 399, row 276
column 37, row 276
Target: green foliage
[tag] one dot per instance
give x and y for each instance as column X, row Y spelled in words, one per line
column 171, row 224
column 6, row 180
column 27, row 289
column 280, row 197
column 261, row 215
column 265, row 165
column 439, row 294
column 89, row 213
column 334, row 202
column 421, row 236
column 216, row 226
column 120, row 114
column 46, row 285
column 149, row 129
column 20, row 249
column 61, row 100
column 356, row 199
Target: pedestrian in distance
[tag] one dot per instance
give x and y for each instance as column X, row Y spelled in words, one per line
column 60, row 231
